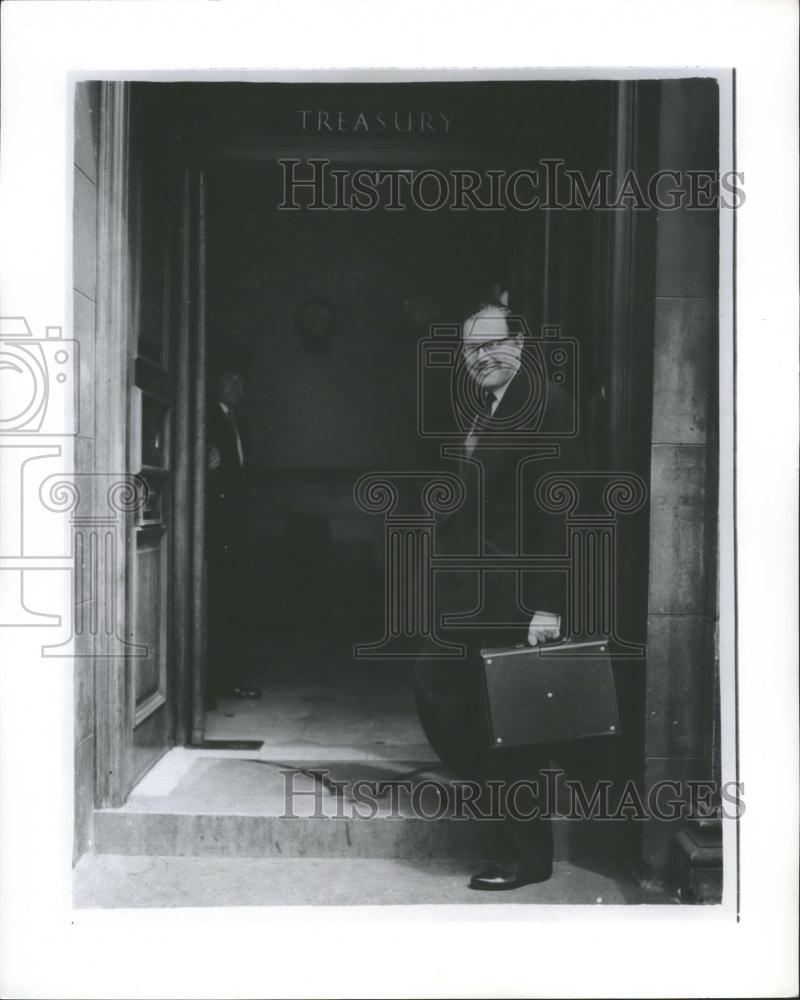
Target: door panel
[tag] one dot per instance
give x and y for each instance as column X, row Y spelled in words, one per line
column 151, row 404
column 150, row 614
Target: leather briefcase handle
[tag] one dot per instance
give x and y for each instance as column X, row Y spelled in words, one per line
column 570, row 643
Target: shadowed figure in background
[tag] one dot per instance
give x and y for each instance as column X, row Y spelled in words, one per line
column 226, row 534
column 450, row 693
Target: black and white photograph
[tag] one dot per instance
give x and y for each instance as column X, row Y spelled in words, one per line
column 413, row 558
column 375, row 498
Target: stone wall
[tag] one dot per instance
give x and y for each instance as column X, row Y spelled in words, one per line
column 83, row 324
column 682, row 603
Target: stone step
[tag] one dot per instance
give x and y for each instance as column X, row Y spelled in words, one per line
column 237, row 836
column 146, row 881
column 197, row 804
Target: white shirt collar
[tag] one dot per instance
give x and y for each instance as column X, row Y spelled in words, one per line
column 226, row 410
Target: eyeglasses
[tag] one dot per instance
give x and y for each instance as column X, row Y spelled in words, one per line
column 490, row 346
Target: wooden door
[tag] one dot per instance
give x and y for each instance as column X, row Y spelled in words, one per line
column 151, row 455
column 167, row 442
column 148, row 394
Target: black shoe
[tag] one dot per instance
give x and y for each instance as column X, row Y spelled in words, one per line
column 242, row 693
column 512, row 875
column 239, row 693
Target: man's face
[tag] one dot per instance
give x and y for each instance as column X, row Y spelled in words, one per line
column 492, row 356
column 231, row 388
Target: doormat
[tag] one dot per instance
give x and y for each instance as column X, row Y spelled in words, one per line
column 228, row 745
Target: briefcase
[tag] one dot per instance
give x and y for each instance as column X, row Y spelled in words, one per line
column 549, row 693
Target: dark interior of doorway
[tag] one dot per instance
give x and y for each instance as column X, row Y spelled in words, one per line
column 317, row 418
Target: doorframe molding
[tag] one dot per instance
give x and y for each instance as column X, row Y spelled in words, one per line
column 113, row 749
column 190, row 484
column 631, row 280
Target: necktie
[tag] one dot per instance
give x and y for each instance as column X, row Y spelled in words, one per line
column 486, row 410
column 482, row 421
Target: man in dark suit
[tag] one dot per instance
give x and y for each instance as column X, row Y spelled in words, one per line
column 226, row 533
column 516, row 405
